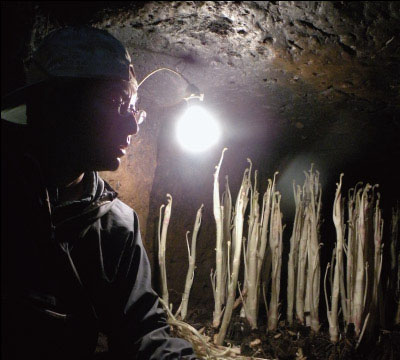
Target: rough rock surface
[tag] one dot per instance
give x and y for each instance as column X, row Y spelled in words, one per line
column 292, row 82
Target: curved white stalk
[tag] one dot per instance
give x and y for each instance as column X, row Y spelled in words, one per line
column 360, row 288
column 240, row 208
column 293, row 255
column 251, row 300
column 218, row 215
column 395, row 261
column 192, row 262
column 315, row 192
column 326, row 294
column 162, row 248
column 375, row 307
column 251, row 259
column 275, row 241
column 338, row 221
column 227, row 219
column 301, row 276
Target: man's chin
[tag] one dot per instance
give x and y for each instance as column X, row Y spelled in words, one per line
column 114, row 164
column 107, row 165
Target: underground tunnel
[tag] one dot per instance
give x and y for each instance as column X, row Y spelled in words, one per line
column 306, row 91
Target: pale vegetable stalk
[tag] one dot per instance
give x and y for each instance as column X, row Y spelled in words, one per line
column 293, row 255
column 350, row 255
column 376, row 305
column 360, row 288
column 256, row 252
column 353, row 210
column 342, row 282
column 301, row 275
column 218, row 276
column 253, row 205
column 338, row 221
column 309, row 274
column 162, row 246
column 240, row 208
column 265, row 218
column 314, row 270
column 192, row 261
column 251, row 280
column 275, row 243
column 227, row 225
column 395, row 262
column 308, row 263
column 364, row 261
column 250, row 243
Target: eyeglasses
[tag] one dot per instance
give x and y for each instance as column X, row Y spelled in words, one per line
column 140, row 115
column 126, row 107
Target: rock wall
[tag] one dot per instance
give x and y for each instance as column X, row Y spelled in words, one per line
column 290, row 82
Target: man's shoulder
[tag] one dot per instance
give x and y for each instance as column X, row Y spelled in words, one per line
column 122, row 209
column 122, row 216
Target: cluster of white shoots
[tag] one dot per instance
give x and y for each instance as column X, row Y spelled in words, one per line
column 230, row 223
column 357, row 281
column 162, row 239
column 304, row 263
column 353, row 288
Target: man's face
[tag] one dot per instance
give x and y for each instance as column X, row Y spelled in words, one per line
column 104, row 127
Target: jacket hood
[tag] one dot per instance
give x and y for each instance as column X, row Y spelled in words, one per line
column 97, row 199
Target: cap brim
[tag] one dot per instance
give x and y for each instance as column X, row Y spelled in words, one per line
column 16, row 115
column 13, row 105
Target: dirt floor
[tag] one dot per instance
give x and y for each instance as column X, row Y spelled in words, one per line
column 299, row 343
column 287, row 343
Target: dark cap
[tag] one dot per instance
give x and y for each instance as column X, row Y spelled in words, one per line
column 77, row 52
column 80, row 52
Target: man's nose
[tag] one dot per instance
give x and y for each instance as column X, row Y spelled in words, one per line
column 129, row 123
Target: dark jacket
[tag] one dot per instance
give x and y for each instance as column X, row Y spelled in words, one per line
column 71, row 270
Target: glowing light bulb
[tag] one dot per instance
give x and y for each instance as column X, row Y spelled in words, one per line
column 197, row 130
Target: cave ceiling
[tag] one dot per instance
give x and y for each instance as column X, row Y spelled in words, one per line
column 310, row 68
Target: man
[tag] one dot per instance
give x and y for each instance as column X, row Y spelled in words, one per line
column 73, row 263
